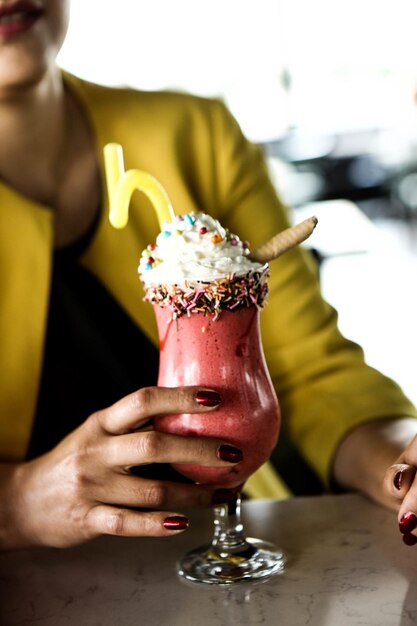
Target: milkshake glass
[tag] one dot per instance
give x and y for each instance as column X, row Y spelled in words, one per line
column 207, row 291
column 226, row 355
column 209, row 336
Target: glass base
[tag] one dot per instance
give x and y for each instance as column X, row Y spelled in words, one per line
column 255, row 560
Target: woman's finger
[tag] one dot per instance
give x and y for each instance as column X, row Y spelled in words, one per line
column 407, row 515
column 398, row 480
column 135, row 491
column 111, row 520
column 152, row 446
column 136, row 409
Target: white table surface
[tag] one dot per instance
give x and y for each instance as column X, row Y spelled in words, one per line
column 346, row 566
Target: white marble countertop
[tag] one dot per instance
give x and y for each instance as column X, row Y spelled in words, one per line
column 346, row 566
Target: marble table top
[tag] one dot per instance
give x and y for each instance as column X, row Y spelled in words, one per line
column 346, row 566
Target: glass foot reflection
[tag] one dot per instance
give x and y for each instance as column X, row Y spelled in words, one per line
column 252, row 560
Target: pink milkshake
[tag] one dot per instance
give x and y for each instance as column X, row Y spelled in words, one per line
column 207, row 296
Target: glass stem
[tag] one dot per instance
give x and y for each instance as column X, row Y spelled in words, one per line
column 229, row 538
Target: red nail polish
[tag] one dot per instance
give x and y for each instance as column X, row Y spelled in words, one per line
column 231, row 454
column 176, row 522
column 398, row 479
column 409, row 539
column 208, row 398
column 407, row 523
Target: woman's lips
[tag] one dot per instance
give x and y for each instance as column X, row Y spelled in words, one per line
column 18, row 17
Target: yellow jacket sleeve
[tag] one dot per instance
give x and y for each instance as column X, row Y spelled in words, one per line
column 324, row 385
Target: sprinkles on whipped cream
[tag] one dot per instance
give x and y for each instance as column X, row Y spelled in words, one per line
column 197, row 266
column 224, row 294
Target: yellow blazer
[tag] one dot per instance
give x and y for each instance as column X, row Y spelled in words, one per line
column 197, row 151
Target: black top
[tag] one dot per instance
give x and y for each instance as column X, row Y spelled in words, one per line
column 94, row 352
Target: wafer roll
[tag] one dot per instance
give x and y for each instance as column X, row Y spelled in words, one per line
column 283, row 241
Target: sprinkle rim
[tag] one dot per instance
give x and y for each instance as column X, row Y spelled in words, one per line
column 230, row 293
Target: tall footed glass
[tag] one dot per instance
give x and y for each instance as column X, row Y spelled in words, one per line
column 207, row 291
column 223, row 353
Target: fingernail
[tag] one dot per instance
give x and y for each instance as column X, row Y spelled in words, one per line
column 229, row 454
column 409, row 539
column 176, row 522
column 222, row 496
column 398, row 479
column 208, row 398
column 407, row 523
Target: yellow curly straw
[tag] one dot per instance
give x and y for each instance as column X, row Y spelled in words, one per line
column 121, row 185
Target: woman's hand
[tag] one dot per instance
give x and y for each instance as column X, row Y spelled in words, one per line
column 401, row 483
column 366, row 452
column 83, row 487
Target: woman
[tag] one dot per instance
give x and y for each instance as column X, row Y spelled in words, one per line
column 74, row 413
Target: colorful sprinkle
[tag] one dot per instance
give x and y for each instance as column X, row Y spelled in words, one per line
column 231, row 293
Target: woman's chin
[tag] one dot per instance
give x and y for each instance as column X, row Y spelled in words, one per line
column 20, row 73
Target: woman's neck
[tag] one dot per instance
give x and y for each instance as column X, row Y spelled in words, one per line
column 47, row 154
column 33, row 121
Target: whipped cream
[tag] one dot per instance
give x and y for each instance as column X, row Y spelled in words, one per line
column 194, row 247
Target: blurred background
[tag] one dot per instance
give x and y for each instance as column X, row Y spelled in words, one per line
column 327, row 88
